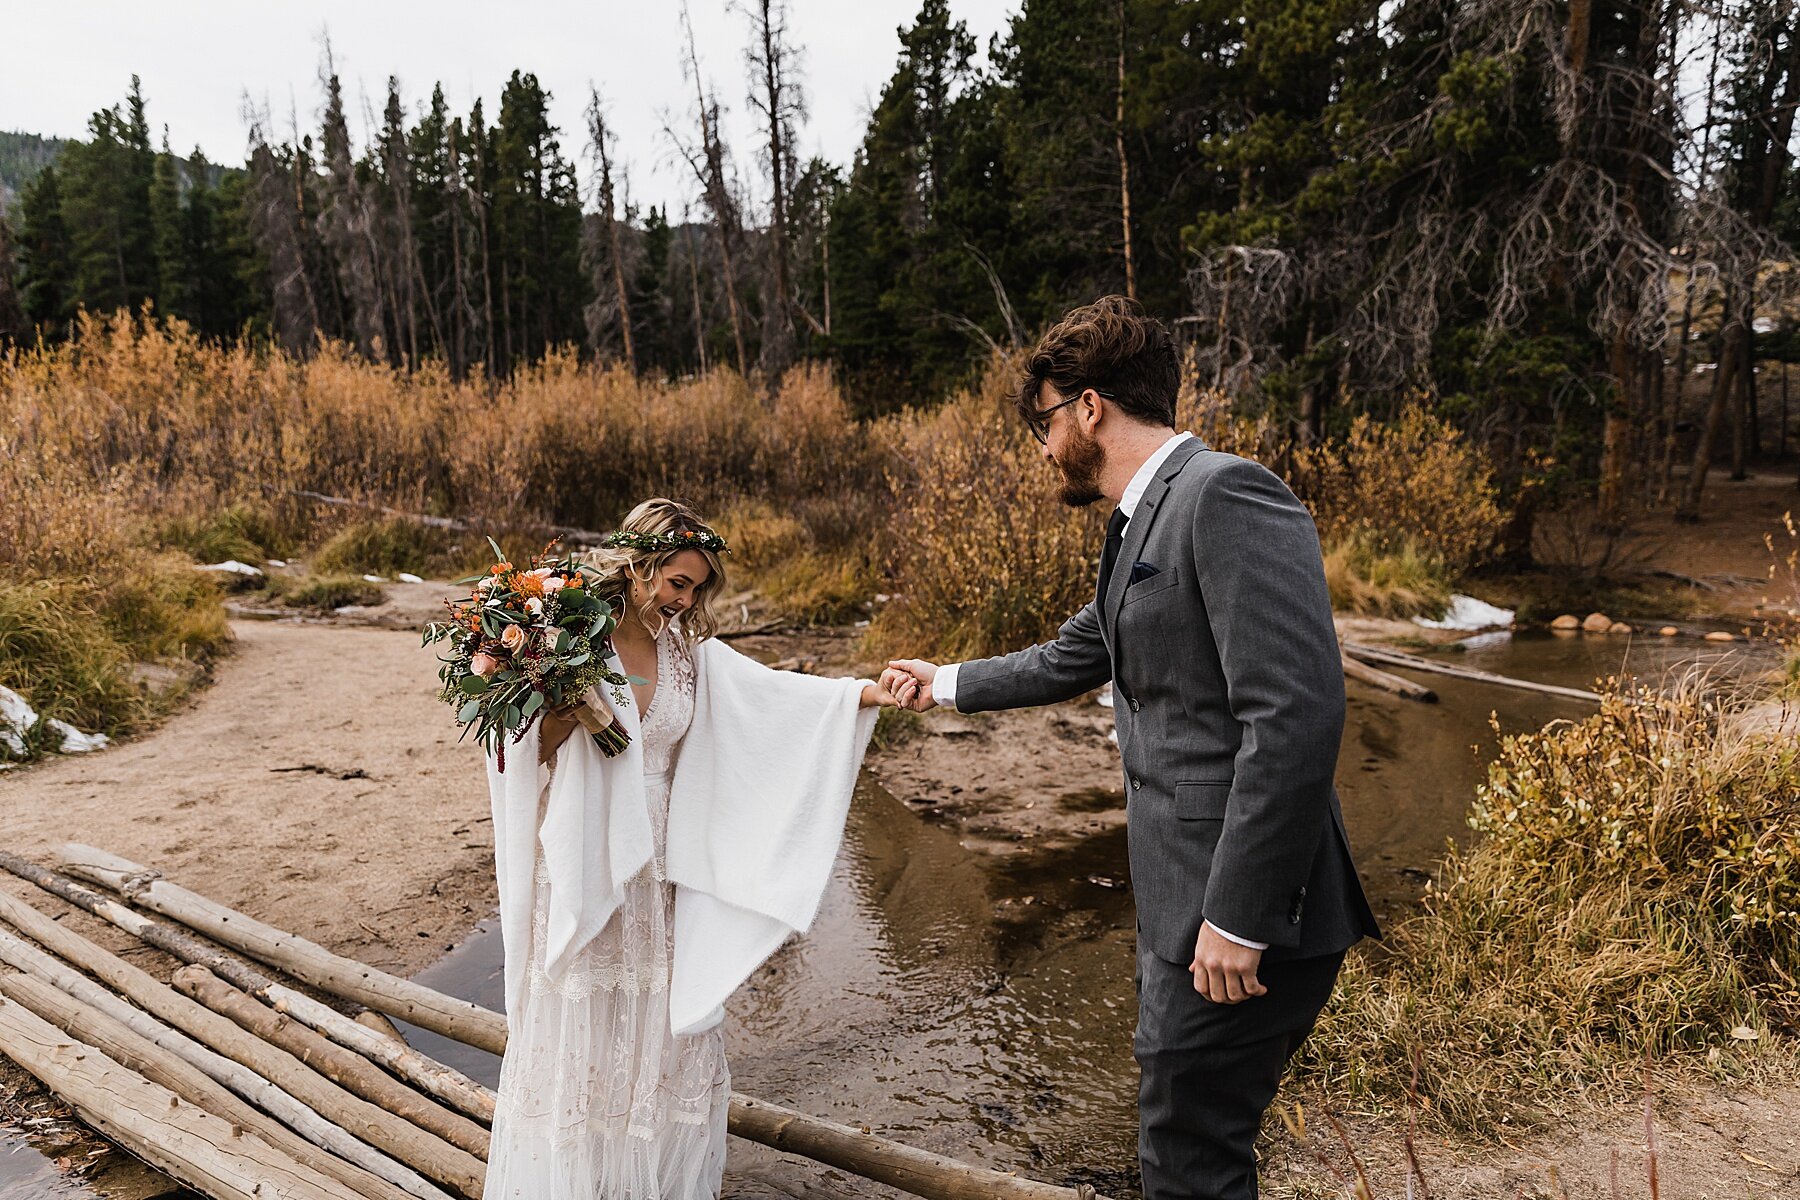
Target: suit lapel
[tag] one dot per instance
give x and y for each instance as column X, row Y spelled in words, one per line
column 1138, row 531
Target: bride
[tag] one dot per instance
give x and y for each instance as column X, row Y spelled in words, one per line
column 637, row 892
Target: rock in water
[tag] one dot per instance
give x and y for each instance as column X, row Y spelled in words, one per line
column 1597, row 623
column 1566, row 621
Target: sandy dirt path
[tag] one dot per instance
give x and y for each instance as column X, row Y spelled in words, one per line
column 316, row 784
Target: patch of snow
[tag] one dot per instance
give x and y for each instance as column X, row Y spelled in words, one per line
column 232, row 566
column 1466, row 612
column 373, row 579
column 1764, row 325
column 409, row 577
column 278, row 562
column 17, row 717
column 74, row 741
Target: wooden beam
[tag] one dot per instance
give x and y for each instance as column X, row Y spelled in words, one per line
column 118, row 973
column 348, row 1070
column 213, row 1156
column 933, row 1176
column 118, row 1042
column 1412, row 662
column 1363, row 673
column 458, row 1020
column 424, row 1152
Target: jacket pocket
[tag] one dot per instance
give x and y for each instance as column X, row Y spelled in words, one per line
column 1202, row 801
column 1162, row 581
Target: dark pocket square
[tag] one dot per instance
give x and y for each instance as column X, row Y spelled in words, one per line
column 1141, row 571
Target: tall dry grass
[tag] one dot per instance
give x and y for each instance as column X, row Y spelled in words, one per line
column 1633, row 895
column 984, row 558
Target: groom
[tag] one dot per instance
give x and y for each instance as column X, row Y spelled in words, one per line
column 1212, row 621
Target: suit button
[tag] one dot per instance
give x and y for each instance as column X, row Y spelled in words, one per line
column 1134, row 704
column 1136, row 784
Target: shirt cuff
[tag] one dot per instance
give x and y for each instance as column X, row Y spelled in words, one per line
column 1232, row 937
column 943, row 686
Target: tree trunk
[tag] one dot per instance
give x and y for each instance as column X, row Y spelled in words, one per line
column 1124, row 164
column 144, row 1021
column 349, row 1071
column 1689, row 508
column 130, row 1049
column 209, row 1154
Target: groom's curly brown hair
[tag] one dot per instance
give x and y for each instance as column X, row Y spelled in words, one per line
column 1112, row 347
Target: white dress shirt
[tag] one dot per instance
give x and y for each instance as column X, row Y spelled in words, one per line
column 943, row 685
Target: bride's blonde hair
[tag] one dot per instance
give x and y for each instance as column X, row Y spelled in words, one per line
column 618, row 566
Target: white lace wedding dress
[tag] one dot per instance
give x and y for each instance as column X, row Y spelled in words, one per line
column 598, row 1100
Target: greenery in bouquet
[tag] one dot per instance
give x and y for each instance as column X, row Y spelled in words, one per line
column 525, row 640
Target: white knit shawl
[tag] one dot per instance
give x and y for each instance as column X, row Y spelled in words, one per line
column 761, row 789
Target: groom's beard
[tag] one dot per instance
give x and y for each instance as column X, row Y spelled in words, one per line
column 1080, row 463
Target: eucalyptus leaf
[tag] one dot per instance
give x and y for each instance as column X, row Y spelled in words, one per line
column 532, row 703
column 474, row 685
column 469, row 711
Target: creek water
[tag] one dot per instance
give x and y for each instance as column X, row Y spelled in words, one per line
column 981, row 1006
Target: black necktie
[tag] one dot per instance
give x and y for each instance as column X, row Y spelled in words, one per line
column 1109, row 553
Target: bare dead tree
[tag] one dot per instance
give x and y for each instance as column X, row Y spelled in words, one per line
column 344, row 220
column 1124, row 164
column 274, row 220
column 601, row 314
column 776, row 95
column 707, row 161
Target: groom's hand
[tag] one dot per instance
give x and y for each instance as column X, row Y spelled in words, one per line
column 910, row 680
column 1225, row 972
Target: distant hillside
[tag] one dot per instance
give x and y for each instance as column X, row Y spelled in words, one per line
column 22, row 156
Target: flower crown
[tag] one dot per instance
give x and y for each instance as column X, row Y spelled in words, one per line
column 686, row 539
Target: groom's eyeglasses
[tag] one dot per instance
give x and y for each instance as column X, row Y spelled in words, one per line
column 1039, row 421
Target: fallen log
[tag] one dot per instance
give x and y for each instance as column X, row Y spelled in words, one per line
column 458, row 1020
column 120, row 1043
column 447, row 1084
column 209, row 1154
column 910, row 1169
column 1363, row 673
column 128, row 980
column 344, row 1068
column 748, row 1117
column 1412, row 662
column 422, row 1151
column 368, row 1018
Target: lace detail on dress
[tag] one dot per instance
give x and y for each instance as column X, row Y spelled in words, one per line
column 597, row 1098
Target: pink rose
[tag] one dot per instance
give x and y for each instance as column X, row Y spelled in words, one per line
column 484, row 664
column 514, row 638
column 554, row 583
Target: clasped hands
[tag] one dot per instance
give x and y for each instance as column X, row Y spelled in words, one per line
column 908, row 680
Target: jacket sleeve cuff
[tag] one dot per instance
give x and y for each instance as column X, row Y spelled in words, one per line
column 943, row 686
column 1232, row 937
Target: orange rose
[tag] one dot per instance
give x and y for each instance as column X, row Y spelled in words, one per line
column 484, row 665
column 513, row 638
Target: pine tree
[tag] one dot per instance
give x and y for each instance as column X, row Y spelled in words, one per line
column 106, row 205
column 175, row 281
column 46, row 255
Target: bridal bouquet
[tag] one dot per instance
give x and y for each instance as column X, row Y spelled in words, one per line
column 524, row 640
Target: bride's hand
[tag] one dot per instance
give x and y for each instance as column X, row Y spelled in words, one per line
column 876, row 696
column 554, row 729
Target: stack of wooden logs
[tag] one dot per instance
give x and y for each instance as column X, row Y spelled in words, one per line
column 240, row 1084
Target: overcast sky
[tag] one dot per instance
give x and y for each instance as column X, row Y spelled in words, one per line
column 199, row 59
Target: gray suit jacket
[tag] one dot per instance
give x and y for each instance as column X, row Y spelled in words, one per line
column 1229, row 693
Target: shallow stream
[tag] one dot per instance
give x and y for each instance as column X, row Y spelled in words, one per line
column 981, row 1006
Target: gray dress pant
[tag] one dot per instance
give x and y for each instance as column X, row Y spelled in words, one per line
column 1209, row 1071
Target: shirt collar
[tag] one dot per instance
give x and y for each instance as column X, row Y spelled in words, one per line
column 1140, row 483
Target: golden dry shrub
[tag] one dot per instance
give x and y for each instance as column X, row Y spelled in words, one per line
column 1413, row 479
column 1633, row 895
column 984, row 558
